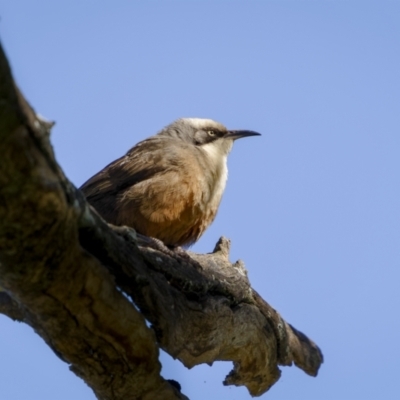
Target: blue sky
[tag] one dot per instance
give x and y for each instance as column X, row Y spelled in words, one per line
column 312, row 206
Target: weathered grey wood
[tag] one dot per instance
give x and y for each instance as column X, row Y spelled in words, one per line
column 64, row 271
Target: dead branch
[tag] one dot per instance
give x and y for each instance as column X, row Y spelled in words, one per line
column 63, row 270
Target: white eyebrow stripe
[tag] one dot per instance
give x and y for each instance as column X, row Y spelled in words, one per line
column 201, row 123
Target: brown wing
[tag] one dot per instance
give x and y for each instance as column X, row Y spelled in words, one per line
column 151, row 188
column 105, row 188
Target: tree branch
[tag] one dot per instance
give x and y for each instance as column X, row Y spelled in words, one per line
column 64, row 271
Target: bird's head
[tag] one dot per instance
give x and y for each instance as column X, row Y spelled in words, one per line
column 206, row 133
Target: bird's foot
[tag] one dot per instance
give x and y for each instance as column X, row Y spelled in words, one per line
column 155, row 243
column 181, row 252
column 172, row 251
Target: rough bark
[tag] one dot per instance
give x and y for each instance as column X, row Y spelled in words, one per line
column 70, row 275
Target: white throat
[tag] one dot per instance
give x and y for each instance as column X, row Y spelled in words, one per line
column 217, row 159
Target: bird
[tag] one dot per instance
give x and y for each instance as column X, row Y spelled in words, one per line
column 168, row 186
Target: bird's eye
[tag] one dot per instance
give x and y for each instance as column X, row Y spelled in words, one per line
column 211, row 133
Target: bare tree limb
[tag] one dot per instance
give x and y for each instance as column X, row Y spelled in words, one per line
column 64, row 271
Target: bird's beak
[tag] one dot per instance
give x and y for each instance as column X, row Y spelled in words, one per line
column 240, row 134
